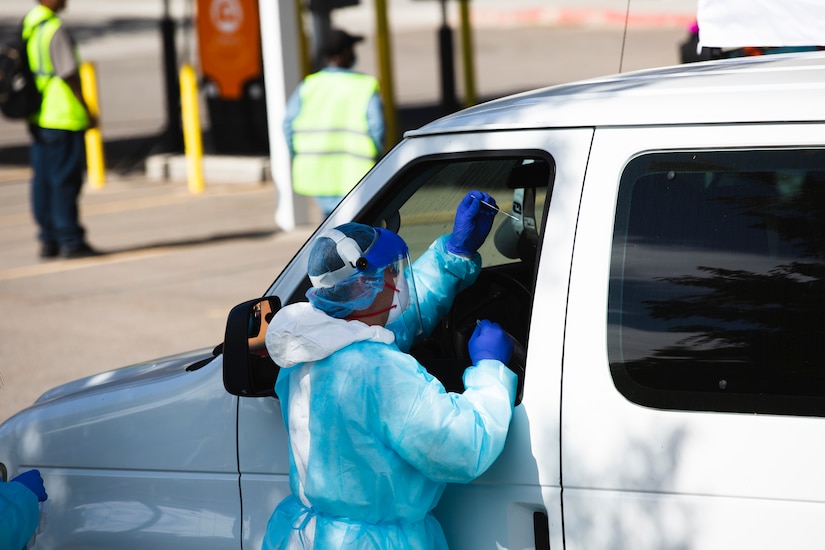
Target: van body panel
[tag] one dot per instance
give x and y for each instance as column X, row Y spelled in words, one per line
column 263, row 460
column 261, row 494
column 503, row 517
column 531, row 455
column 260, row 447
column 133, row 375
column 771, row 88
column 110, row 429
column 150, row 456
column 600, row 519
column 677, row 468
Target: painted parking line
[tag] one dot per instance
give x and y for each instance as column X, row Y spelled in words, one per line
column 60, row 266
column 130, row 204
column 15, row 175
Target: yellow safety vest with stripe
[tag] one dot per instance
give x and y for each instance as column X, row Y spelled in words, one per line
column 331, row 141
column 60, row 108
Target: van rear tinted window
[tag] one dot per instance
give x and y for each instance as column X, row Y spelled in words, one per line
column 717, row 282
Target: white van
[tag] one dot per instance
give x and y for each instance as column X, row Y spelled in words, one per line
column 665, row 274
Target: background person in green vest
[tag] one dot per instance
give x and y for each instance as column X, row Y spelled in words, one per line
column 58, row 151
column 334, row 125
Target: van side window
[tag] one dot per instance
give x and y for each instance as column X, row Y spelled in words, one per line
column 433, row 189
column 420, row 205
column 717, row 282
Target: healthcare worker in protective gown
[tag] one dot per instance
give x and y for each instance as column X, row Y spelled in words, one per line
column 373, row 437
column 19, row 509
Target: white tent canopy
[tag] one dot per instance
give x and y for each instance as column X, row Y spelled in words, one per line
column 761, row 23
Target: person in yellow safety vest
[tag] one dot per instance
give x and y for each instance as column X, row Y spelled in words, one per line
column 58, row 150
column 334, row 125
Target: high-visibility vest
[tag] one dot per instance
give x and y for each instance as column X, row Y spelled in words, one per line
column 60, row 108
column 331, row 141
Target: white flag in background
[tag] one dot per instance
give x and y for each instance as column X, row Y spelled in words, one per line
column 761, row 23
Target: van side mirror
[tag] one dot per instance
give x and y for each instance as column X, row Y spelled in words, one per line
column 248, row 371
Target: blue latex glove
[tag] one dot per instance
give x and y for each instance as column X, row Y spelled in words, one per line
column 33, row 482
column 489, row 341
column 473, row 221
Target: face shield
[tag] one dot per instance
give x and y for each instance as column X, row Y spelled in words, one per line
column 357, row 268
column 404, row 316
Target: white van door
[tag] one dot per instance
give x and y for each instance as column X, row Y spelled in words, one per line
column 693, row 386
column 535, row 177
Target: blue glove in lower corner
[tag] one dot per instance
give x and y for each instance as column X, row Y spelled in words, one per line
column 32, row 480
column 489, row 341
column 473, row 222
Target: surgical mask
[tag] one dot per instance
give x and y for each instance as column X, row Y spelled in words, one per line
column 400, row 300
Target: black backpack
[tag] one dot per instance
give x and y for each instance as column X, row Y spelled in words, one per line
column 19, row 96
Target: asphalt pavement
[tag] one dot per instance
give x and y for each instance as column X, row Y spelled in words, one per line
column 176, row 262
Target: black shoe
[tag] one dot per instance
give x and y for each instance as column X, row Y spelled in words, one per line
column 49, row 249
column 81, row 251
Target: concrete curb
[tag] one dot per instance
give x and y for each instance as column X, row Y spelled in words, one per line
column 408, row 16
column 216, row 168
column 577, row 17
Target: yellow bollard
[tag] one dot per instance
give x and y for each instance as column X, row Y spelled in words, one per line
column 95, row 162
column 470, row 98
column 191, row 129
column 303, row 49
column 382, row 35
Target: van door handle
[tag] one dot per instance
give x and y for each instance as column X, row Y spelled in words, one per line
column 541, row 531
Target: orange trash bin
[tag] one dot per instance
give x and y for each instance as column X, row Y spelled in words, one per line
column 231, row 63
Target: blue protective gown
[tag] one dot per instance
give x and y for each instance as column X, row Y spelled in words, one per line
column 373, row 437
column 19, row 515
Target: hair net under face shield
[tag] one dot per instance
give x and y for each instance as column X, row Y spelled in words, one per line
column 352, row 265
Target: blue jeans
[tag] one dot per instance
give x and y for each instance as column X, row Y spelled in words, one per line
column 57, row 158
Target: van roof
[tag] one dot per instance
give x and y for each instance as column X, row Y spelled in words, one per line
column 780, row 87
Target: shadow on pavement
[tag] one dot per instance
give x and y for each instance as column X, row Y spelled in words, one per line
column 184, row 243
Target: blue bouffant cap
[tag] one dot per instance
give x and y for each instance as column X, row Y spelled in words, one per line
column 346, row 267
